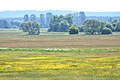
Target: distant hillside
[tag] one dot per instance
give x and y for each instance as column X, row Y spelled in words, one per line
column 16, row 14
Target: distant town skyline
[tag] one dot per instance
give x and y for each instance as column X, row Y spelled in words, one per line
column 73, row 5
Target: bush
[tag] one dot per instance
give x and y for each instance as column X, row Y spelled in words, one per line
column 73, row 30
column 106, row 31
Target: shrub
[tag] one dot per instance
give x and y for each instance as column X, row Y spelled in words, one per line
column 106, row 31
column 73, row 30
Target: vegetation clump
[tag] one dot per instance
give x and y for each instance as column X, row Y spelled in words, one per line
column 60, row 23
column 32, row 28
column 73, row 30
column 93, row 26
column 106, row 31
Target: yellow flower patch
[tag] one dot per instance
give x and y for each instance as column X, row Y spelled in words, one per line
column 117, row 66
column 18, row 63
column 54, row 66
column 35, row 58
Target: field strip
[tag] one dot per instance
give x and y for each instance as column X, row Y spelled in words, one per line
column 63, row 49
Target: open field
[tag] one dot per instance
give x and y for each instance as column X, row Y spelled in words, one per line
column 59, row 56
column 19, row 39
column 59, row 64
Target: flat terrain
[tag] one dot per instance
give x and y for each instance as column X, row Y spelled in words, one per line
column 61, row 64
column 15, row 38
column 59, row 56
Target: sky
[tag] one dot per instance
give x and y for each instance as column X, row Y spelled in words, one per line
column 73, row 5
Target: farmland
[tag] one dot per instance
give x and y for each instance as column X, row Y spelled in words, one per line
column 16, row 38
column 59, row 56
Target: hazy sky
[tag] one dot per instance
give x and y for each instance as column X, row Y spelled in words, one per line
column 75, row 5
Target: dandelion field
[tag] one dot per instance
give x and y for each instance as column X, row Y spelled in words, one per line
column 59, row 64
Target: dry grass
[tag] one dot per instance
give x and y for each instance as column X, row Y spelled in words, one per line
column 56, row 40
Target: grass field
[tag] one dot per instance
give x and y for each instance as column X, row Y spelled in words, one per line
column 61, row 64
column 59, row 56
column 19, row 39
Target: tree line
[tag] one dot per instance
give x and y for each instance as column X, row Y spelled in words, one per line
column 60, row 23
column 63, row 23
column 4, row 23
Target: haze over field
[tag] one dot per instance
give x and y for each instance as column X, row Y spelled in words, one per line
column 74, row 5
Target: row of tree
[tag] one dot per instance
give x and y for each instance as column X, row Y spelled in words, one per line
column 69, row 23
column 97, row 27
column 63, row 23
column 44, row 20
column 9, row 24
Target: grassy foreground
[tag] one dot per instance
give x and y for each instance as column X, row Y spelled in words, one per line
column 59, row 64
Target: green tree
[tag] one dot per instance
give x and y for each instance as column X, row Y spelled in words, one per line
column 32, row 17
column 69, row 19
column 26, row 17
column 4, row 24
column 42, row 20
column 73, row 30
column 82, row 17
column 17, row 23
column 54, row 23
column 102, row 26
column 116, row 25
column 117, row 28
column 49, row 16
column 79, row 18
column 32, row 28
column 106, row 31
column 24, row 26
column 109, row 25
column 63, row 26
column 92, row 26
column 58, row 24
